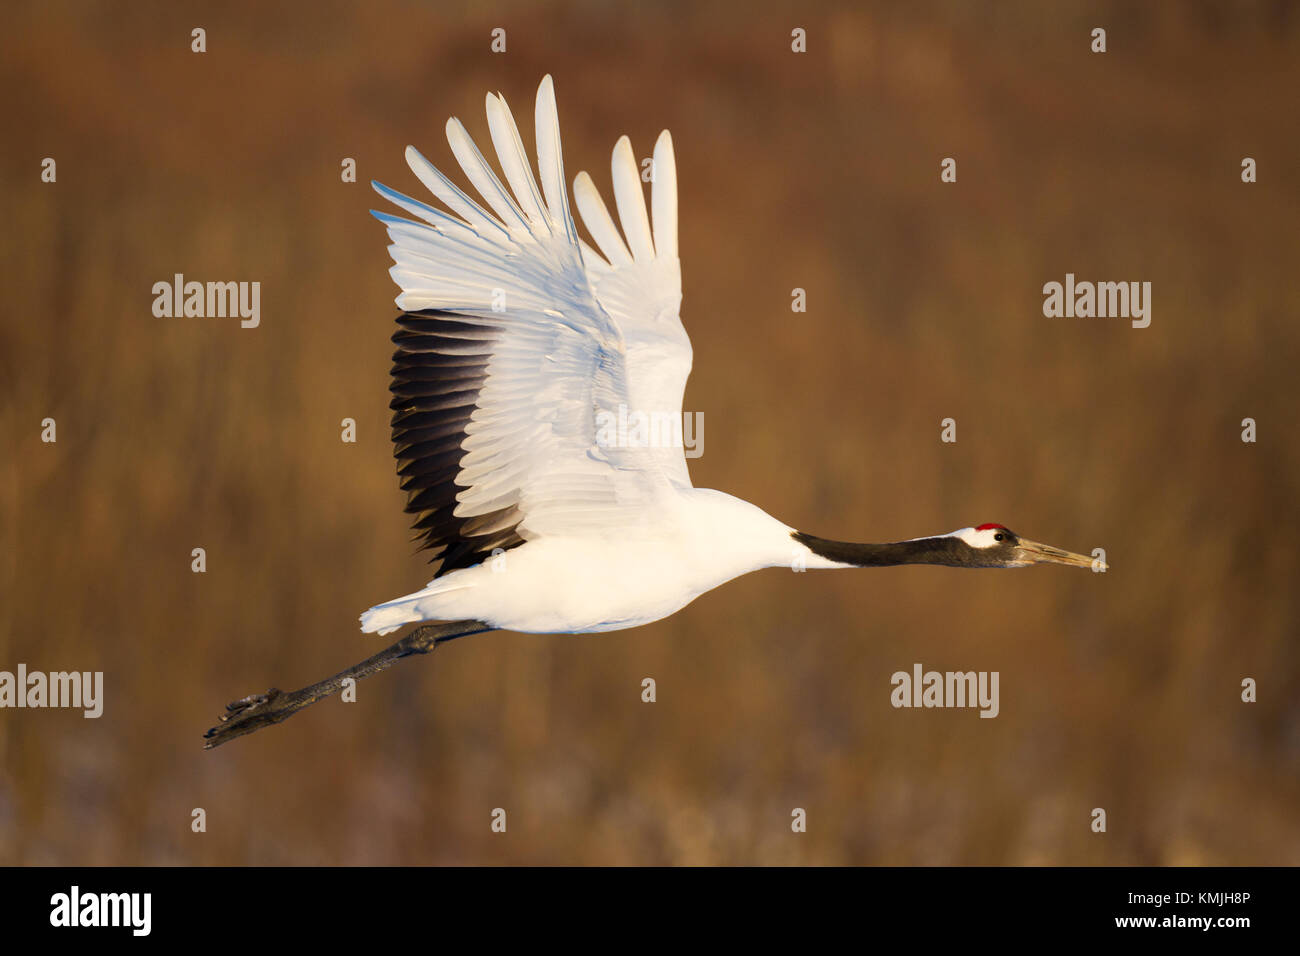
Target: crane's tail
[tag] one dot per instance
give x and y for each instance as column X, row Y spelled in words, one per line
column 386, row 618
column 423, row 605
column 391, row 615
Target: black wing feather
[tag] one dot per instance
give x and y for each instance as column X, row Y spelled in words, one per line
column 438, row 372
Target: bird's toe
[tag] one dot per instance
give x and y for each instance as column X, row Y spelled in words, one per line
column 246, row 706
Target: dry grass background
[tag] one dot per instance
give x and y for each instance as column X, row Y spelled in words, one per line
column 819, row 171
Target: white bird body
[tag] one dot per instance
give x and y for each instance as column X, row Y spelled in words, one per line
column 610, row 580
column 518, row 340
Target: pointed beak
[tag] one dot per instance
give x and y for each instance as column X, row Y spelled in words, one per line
column 1035, row 553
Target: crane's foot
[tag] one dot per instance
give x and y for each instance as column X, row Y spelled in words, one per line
column 246, row 715
column 245, row 706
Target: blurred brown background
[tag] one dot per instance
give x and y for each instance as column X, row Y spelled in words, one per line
column 819, row 171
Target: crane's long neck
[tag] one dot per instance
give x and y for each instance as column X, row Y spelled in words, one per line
column 946, row 550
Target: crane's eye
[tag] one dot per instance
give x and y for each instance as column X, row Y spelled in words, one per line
column 999, row 536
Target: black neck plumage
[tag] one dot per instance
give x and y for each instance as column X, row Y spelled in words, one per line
column 949, row 551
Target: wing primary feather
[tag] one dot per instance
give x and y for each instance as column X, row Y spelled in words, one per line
column 453, row 197
column 484, row 179
column 630, row 198
column 663, row 196
column 596, row 217
column 514, row 161
column 550, row 158
column 444, row 223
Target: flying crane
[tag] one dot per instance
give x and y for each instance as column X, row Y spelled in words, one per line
column 516, row 337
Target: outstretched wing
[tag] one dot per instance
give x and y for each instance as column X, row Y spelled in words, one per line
column 510, row 364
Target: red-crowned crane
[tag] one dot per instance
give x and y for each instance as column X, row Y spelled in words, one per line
column 517, row 340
